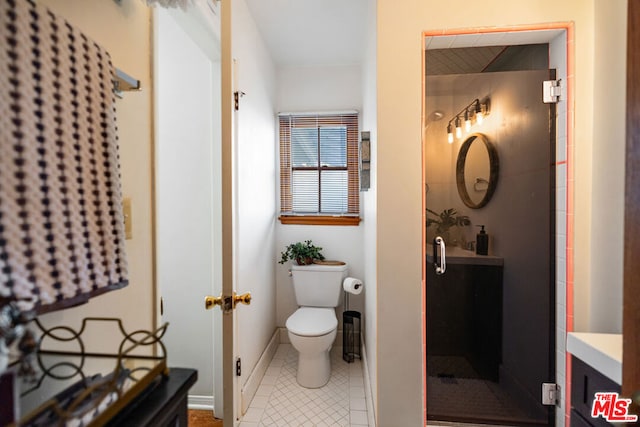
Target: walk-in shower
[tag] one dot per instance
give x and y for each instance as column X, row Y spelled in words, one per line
column 490, row 318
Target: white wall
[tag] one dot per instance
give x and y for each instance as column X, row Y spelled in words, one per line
column 369, row 242
column 255, row 183
column 399, row 170
column 327, row 88
column 319, row 88
column 124, row 30
column 610, row 76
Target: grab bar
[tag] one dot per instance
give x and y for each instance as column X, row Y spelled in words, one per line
column 442, row 267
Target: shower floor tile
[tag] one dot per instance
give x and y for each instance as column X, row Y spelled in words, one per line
column 282, row 402
column 471, row 398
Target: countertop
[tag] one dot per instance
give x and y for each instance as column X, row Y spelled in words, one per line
column 603, row 352
column 457, row 255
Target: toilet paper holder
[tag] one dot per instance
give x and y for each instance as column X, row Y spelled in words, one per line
column 351, row 322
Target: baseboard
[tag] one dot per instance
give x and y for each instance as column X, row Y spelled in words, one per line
column 253, row 381
column 368, row 392
column 204, row 403
column 284, row 336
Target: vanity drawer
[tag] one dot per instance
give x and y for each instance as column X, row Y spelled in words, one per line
column 585, row 382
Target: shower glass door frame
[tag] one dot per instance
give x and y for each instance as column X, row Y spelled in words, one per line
column 559, row 35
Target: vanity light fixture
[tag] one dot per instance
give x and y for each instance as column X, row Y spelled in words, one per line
column 467, row 120
column 477, row 110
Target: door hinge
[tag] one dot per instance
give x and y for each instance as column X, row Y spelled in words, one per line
column 238, row 367
column 551, row 91
column 236, row 99
column 551, row 394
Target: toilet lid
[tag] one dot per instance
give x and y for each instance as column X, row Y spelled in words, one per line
column 312, row 321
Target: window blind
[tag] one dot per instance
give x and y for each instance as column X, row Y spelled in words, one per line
column 319, row 164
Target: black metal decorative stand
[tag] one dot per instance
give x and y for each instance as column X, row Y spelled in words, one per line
column 350, row 333
column 84, row 386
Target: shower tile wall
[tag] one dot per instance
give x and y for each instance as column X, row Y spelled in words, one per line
column 558, row 61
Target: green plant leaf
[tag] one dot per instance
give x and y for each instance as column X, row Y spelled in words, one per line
column 302, row 251
column 446, row 219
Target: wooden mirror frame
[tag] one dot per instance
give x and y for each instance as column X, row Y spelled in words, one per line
column 494, row 169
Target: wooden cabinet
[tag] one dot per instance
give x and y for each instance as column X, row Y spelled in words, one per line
column 163, row 402
column 163, row 405
column 585, row 382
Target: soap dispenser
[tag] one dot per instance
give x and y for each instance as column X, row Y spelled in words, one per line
column 482, row 242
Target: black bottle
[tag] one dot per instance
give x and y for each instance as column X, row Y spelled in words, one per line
column 482, row 242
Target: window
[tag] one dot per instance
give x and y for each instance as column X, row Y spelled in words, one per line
column 319, row 182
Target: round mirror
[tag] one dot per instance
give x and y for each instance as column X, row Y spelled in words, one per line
column 477, row 171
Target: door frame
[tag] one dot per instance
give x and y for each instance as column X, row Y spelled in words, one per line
column 229, row 389
column 631, row 304
column 565, row 254
column 229, row 378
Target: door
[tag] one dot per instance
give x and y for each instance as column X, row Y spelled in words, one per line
column 194, row 197
column 631, row 310
column 490, row 318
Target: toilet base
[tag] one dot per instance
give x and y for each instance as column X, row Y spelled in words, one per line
column 314, row 371
column 314, row 364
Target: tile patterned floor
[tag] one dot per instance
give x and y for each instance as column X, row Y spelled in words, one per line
column 281, row 402
column 455, row 390
column 474, row 398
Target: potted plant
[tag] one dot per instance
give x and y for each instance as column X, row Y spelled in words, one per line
column 446, row 219
column 302, row 253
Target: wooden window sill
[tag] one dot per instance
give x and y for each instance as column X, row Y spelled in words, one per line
column 319, row 220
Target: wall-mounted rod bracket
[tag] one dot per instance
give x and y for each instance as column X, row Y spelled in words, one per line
column 124, row 83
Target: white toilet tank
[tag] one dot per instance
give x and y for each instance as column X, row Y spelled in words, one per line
column 318, row 285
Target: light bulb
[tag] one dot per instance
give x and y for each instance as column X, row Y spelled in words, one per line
column 479, row 114
column 449, row 134
column 458, row 128
column 467, row 121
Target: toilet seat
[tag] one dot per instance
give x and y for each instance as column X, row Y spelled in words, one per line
column 312, row 321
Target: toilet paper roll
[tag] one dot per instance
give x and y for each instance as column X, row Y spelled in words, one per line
column 352, row 285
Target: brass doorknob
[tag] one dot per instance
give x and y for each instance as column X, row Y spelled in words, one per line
column 210, row 302
column 244, row 299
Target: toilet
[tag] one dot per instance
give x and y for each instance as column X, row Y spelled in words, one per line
column 313, row 326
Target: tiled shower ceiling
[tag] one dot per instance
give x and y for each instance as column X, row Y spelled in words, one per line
column 462, row 60
column 475, row 52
